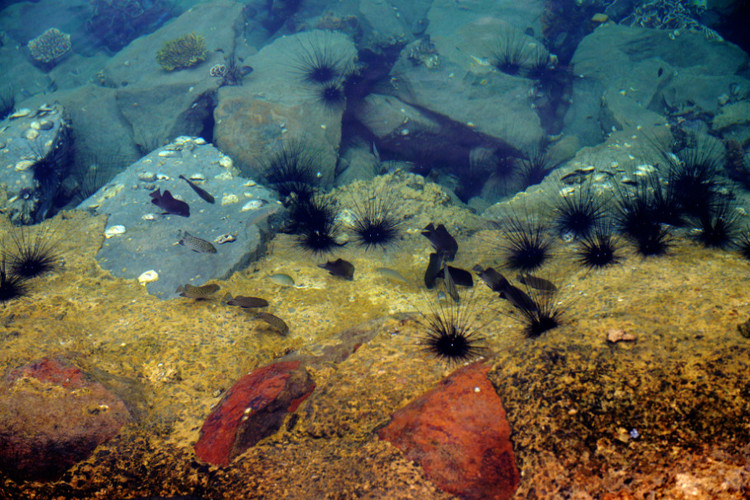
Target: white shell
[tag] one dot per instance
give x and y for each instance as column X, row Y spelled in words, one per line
column 24, row 164
column 147, row 176
column 31, row 134
column 148, row 277
column 228, row 199
column 114, row 231
column 226, row 162
column 252, row 205
column 224, row 238
column 148, row 217
column 35, row 125
column 20, row 113
column 197, row 176
column 200, row 141
column 250, row 183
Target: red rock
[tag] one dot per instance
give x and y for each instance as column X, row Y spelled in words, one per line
column 252, row 409
column 51, row 417
column 459, row 435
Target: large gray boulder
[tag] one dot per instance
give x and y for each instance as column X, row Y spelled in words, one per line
column 34, row 144
column 630, row 76
column 142, row 237
column 160, row 104
column 276, row 103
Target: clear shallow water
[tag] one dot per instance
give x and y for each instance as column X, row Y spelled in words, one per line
column 661, row 415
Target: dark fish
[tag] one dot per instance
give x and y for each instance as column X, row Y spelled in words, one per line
column 244, row 302
column 275, row 322
column 433, row 270
column 450, row 285
column 199, row 190
column 493, row 279
column 197, row 292
column 169, row 204
column 518, row 298
column 339, row 267
column 460, row 276
column 537, row 283
column 443, row 243
column 660, row 72
column 196, row 244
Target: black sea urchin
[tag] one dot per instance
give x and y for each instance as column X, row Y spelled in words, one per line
column 450, row 335
column 375, row 222
column 578, row 212
column 598, row 249
column 293, row 169
column 313, row 220
column 34, row 255
column 545, row 315
column 528, row 244
column 11, row 285
column 317, row 61
column 718, row 228
column 509, row 53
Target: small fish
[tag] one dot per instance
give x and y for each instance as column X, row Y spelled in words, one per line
column 274, row 322
column 170, row 204
column 282, row 279
column 518, row 298
column 391, row 274
column 244, row 302
column 450, row 285
column 537, row 283
column 198, row 190
column 433, row 270
column 460, row 276
column 442, row 241
column 339, row 267
column 196, row 244
column 197, row 292
column 493, row 279
column 660, row 72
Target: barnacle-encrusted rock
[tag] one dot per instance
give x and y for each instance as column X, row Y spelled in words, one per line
column 49, row 46
column 183, row 52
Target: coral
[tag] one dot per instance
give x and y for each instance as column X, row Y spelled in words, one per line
column 183, row 52
column 50, row 46
column 671, row 15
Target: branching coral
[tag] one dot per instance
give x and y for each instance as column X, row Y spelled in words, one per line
column 183, row 52
column 670, row 15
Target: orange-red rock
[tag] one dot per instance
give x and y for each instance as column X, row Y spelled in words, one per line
column 53, row 416
column 252, row 409
column 458, row 433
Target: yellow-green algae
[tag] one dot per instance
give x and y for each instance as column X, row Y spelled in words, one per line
column 183, row 52
column 571, row 397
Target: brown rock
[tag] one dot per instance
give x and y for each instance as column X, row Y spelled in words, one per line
column 458, row 433
column 615, row 335
column 51, row 417
column 254, row 408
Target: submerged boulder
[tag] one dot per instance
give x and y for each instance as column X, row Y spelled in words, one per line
column 253, row 409
column 458, row 433
column 34, row 147
column 142, row 236
column 52, row 416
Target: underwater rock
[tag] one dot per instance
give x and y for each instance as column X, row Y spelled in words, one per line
column 626, row 76
column 253, row 409
column 277, row 103
column 458, row 433
column 36, row 146
column 53, row 416
column 153, row 237
column 160, row 105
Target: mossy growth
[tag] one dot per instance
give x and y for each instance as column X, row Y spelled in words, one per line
column 183, row 52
